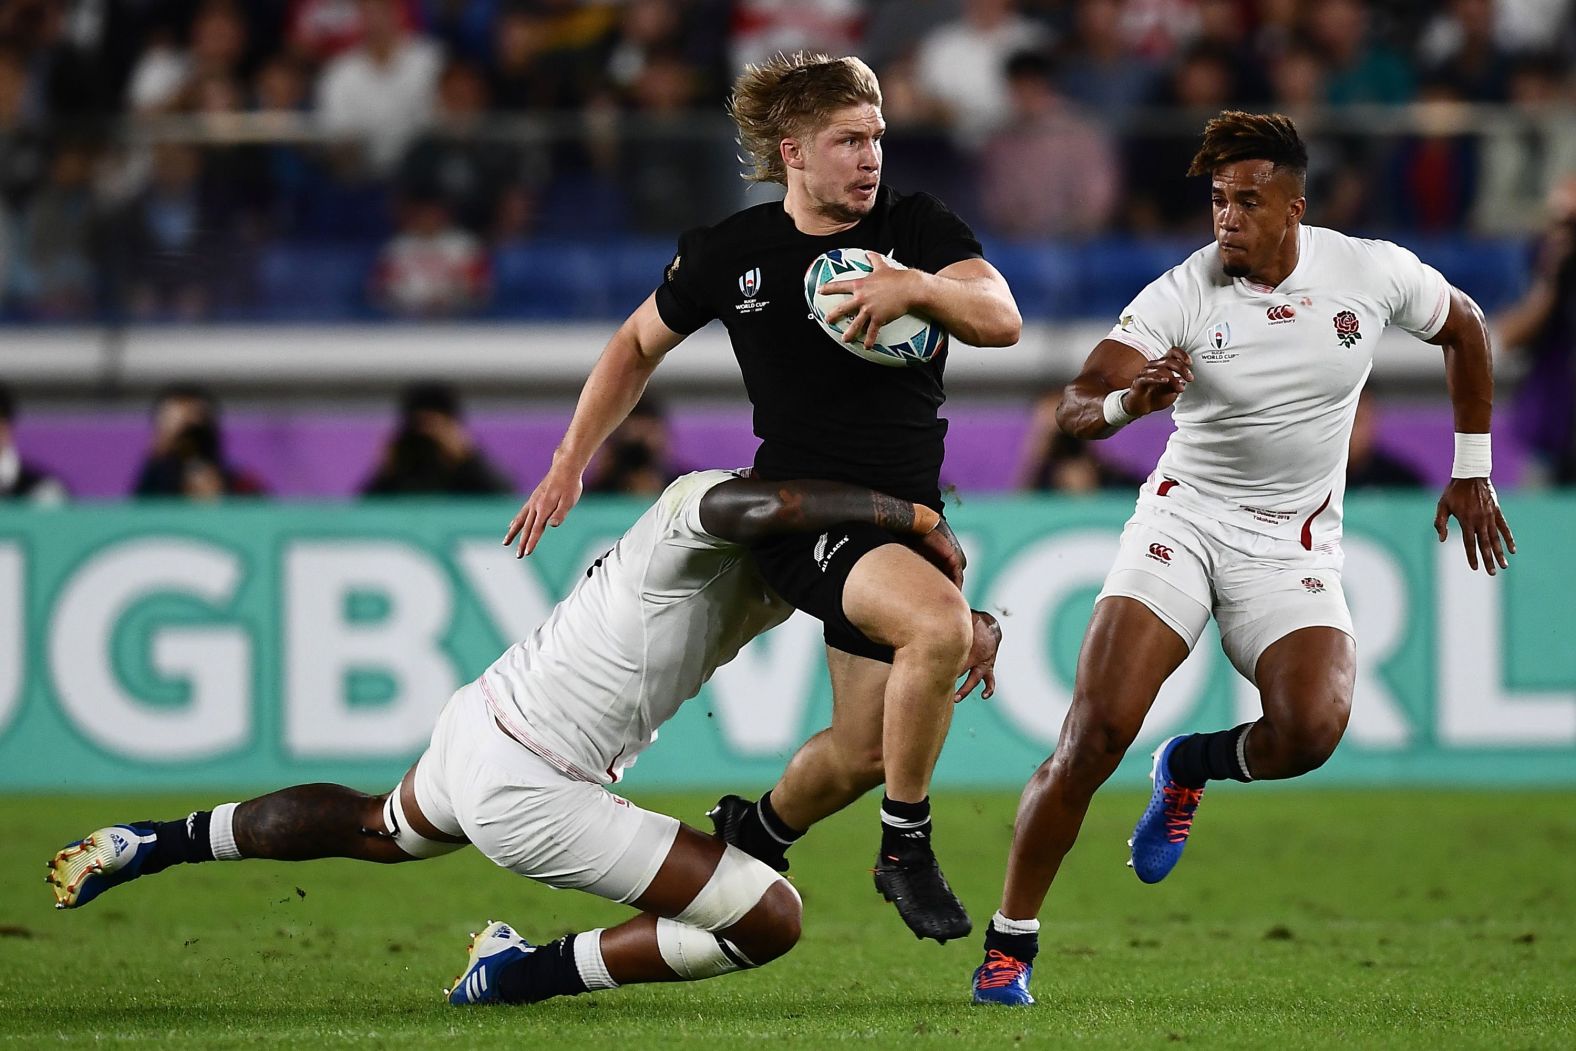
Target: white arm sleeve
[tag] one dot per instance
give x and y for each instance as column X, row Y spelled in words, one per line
column 1417, row 295
column 1157, row 319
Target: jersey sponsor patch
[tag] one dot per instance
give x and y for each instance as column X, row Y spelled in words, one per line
column 1284, row 314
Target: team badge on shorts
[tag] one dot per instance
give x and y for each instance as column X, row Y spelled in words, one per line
column 1346, row 328
column 1314, row 585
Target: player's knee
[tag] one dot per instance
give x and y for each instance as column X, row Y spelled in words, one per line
column 862, row 767
column 1313, row 740
column 773, row 926
column 1097, row 736
column 943, row 632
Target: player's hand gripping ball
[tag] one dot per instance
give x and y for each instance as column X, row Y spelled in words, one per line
column 908, row 340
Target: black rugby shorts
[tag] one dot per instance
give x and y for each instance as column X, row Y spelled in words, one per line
column 809, row 570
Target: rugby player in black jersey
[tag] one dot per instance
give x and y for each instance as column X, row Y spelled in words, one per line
column 898, row 630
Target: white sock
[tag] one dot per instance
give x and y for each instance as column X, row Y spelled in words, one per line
column 1003, row 925
column 589, row 962
column 221, row 833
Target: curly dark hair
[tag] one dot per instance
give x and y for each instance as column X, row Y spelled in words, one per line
column 1238, row 136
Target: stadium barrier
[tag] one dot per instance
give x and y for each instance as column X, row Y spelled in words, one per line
column 238, row 646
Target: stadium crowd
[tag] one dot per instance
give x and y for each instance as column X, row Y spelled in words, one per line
column 149, row 148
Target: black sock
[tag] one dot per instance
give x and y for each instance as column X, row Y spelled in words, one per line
column 549, row 971
column 1209, row 757
column 905, row 827
column 1024, row 947
column 779, row 830
column 178, row 842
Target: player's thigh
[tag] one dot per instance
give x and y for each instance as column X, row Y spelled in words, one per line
column 418, row 814
column 896, row 597
column 1274, row 591
column 1305, row 681
column 1128, row 653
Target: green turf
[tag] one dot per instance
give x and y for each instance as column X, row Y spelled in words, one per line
column 1298, row 919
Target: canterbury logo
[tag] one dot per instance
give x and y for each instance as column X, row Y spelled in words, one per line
column 1285, row 312
column 1160, row 553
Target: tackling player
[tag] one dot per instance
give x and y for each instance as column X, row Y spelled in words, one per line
column 520, row 758
column 897, row 631
column 1263, row 341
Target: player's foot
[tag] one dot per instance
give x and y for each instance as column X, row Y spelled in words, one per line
column 1162, row 832
column 731, row 819
column 496, row 947
column 83, row 870
column 914, row 883
column 1002, row 980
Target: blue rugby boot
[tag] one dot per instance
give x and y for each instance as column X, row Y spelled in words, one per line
column 1002, row 980
column 81, row 871
column 1163, row 830
column 496, row 947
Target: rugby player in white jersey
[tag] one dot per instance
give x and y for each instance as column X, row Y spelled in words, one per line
column 520, row 758
column 1262, row 341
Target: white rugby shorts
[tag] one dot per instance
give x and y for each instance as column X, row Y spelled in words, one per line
column 1185, row 566
column 530, row 818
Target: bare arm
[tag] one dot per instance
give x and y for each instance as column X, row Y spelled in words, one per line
column 615, row 384
column 748, row 509
column 1469, row 376
column 1113, row 366
column 1519, row 324
column 970, row 299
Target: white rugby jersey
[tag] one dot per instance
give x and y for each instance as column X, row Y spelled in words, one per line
column 1261, row 432
column 643, row 629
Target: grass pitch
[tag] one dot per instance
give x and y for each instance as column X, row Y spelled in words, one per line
column 1299, row 918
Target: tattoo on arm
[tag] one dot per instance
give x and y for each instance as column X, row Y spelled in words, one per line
column 892, row 514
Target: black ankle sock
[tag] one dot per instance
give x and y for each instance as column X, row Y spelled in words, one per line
column 775, row 826
column 1024, row 947
column 549, row 971
column 178, row 842
column 905, row 827
column 1209, row 757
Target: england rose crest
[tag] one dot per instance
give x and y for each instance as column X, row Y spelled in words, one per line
column 1346, row 328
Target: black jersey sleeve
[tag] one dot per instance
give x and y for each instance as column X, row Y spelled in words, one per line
column 680, row 298
column 942, row 238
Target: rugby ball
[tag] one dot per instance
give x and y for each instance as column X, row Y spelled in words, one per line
column 908, row 340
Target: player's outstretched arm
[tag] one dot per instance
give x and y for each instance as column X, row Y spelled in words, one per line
column 970, row 299
column 1470, row 498
column 1118, row 385
column 749, row 509
column 615, row 384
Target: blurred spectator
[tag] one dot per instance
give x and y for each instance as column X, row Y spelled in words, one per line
column 432, row 452
column 1436, row 169
column 187, row 457
column 963, row 64
column 526, row 73
column 1097, row 70
column 1163, row 196
column 1542, row 324
column 1337, row 184
column 453, row 161
column 166, row 74
column 381, row 91
column 19, row 479
column 1055, row 460
column 433, row 267
column 1223, row 24
column 762, row 28
column 24, row 153
column 320, row 30
column 1368, row 465
column 636, row 458
column 894, row 28
column 1461, row 46
column 1523, row 155
column 1363, row 70
column 1158, row 29
column 175, row 262
column 56, row 277
column 674, row 177
column 1075, row 179
column 1531, row 25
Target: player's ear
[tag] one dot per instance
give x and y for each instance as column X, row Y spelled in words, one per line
column 792, row 151
column 1294, row 214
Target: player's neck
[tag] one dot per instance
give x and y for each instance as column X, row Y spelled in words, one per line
column 1284, row 263
column 808, row 219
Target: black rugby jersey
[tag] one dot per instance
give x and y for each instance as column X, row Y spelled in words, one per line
column 820, row 410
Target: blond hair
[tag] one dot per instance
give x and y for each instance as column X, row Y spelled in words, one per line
column 786, row 95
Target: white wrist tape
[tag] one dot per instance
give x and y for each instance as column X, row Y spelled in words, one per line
column 1474, row 459
column 1115, row 414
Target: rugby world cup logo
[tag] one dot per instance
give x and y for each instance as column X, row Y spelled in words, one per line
column 750, row 282
column 1220, row 335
